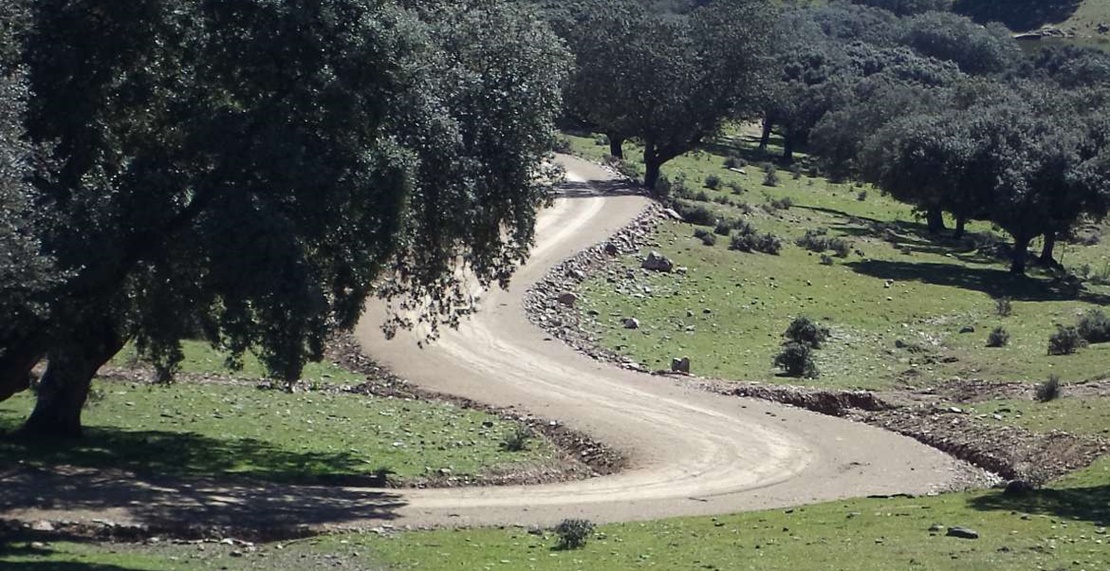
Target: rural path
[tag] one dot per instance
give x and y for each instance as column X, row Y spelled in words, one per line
column 690, row 452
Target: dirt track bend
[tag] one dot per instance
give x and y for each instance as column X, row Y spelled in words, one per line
column 691, row 452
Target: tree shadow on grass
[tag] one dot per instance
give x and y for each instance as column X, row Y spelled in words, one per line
column 1019, row 15
column 165, row 453
column 1090, row 504
column 995, row 282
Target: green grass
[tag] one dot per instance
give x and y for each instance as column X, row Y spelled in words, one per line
column 1076, row 415
column 1058, row 528
column 202, row 359
column 190, row 429
column 937, row 288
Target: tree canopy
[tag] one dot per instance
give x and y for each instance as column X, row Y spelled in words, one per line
column 248, row 172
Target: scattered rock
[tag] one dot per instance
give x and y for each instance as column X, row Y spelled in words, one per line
column 657, row 262
column 631, row 323
column 962, row 532
column 567, row 298
column 680, row 365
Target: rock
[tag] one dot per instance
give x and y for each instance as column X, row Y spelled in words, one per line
column 656, row 262
column 631, row 323
column 670, row 212
column 962, row 532
column 935, row 528
column 42, row 526
column 567, row 298
column 1103, row 28
column 680, row 365
column 967, row 329
column 611, row 249
column 576, row 274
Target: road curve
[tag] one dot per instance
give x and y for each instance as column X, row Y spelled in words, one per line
column 691, row 452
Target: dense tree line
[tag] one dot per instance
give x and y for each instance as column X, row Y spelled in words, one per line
column 248, row 172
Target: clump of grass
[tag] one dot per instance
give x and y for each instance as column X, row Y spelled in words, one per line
column 573, row 533
column 1065, row 341
column 1003, row 306
column 1049, row 390
column 713, row 182
column 517, row 440
column 998, row 337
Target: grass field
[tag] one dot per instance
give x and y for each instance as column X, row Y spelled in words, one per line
column 1063, row 527
column 222, row 429
column 897, row 287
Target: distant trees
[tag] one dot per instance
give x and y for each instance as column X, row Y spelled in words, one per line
column 670, row 81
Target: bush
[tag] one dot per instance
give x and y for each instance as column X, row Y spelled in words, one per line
column 701, row 196
column 1094, row 327
column 756, row 242
column 1003, row 306
column 562, row 145
column 814, row 240
column 862, row 196
column 771, row 178
column 708, row 238
column 795, row 171
column 713, row 182
column 735, row 187
column 998, row 337
column 1065, row 341
column 803, row 330
column 732, row 163
column 796, row 360
column 826, row 260
column 840, row 247
column 1048, row 390
column 698, row 215
column 723, row 228
column 517, row 440
column 574, row 533
column 782, row 204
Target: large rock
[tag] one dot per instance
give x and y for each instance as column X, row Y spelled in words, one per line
column 631, row 323
column 962, row 532
column 680, row 365
column 567, row 298
column 656, row 262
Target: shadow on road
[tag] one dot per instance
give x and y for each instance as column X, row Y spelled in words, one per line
column 594, row 188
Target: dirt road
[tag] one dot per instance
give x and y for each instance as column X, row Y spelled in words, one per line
column 691, row 452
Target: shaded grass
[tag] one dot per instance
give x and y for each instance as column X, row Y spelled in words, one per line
column 1057, row 528
column 234, row 430
column 937, row 287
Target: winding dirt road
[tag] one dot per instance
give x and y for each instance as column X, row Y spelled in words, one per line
column 691, row 452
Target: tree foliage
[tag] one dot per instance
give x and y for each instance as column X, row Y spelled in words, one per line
column 246, row 171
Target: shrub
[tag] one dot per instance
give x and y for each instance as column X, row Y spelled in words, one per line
column 562, row 145
column 724, row 227
column 663, row 186
column 735, row 187
column 1048, row 390
column 707, row 238
column 1003, row 306
column 783, row 203
column 795, row 171
column 826, row 260
column 803, row 330
column 840, row 247
column 517, row 440
column 601, row 141
column 1065, row 341
column 771, row 178
column 1094, row 327
column 862, row 196
column 796, row 360
column 701, row 196
column 574, row 533
column 732, row 163
column 814, row 240
column 713, row 182
column 698, row 215
column 756, row 242
column 998, row 337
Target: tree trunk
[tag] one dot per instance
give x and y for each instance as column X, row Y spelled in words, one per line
column 1047, row 257
column 651, row 173
column 765, row 138
column 1017, row 258
column 65, row 385
column 21, row 354
column 961, row 226
column 788, row 148
column 616, row 146
column 934, row 217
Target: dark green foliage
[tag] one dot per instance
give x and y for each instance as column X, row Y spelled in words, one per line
column 814, row 240
column 998, row 337
column 770, row 176
column 573, row 533
column 784, row 203
column 796, row 360
column 713, row 182
column 862, row 196
column 746, row 239
column 701, row 196
column 518, row 439
column 1049, row 390
column 807, row 332
column 1094, row 326
column 724, row 227
column 1003, row 306
column 907, row 7
column 735, row 187
column 976, row 49
column 695, row 214
column 707, row 238
column 826, row 260
column 1064, row 341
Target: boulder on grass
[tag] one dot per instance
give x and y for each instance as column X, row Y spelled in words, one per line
column 656, row 262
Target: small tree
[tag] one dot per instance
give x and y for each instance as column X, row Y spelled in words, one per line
column 1065, row 341
column 574, row 533
column 805, row 331
column 796, row 360
column 998, row 337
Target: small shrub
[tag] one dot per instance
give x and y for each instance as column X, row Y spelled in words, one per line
column 783, row 203
column 998, row 337
column 562, row 145
column 517, row 440
column 805, row 331
column 826, row 260
column 663, row 186
column 573, row 533
column 814, row 240
column 1003, row 306
column 601, row 141
column 1065, row 341
column 796, row 360
column 735, row 187
column 713, row 182
column 862, row 196
column 723, row 200
column 1101, row 276
column 698, row 215
column 771, row 176
column 700, row 233
column 768, row 244
column 724, row 228
column 840, row 247
column 628, row 169
column 1094, row 327
column 701, row 196
column 707, row 238
column 732, row 163
column 795, row 171
column 1048, row 390
column 745, row 208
